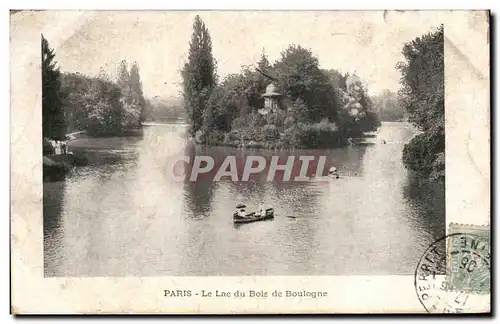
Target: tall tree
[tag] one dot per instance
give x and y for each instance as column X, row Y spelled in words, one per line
column 53, row 117
column 262, row 80
column 422, row 96
column 136, row 87
column 123, row 77
column 422, row 77
column 263, row 63
column 130, row 87
column 198, row 74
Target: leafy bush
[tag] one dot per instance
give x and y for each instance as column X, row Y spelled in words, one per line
column 272, row 119
column 290, row 138
column 438, row 167
column 424, row 154
column 215, row 137
column 48, row 149
column 422, row 96
column 319, row 135
column 288, row 122
column 255, row 120
column 231, row 137
column 238, row 123
column 270, row 133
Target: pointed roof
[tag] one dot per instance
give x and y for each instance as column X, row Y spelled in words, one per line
column 271, row 91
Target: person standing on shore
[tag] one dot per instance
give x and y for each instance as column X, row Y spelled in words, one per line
column 57, row 147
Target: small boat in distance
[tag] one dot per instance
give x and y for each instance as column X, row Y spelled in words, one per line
column 253, row 217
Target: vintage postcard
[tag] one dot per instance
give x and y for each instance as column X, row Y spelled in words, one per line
column 250, row 162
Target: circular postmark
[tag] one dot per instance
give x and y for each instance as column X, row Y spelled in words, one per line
column 453, row 274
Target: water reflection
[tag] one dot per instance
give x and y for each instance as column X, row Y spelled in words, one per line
column 130, row 219
column 426, row 200
column 198, row 194
column 53, row 201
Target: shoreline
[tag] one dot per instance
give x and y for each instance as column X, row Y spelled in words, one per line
column 354, row 141
column 79, row 148
column 82, row 141
column 265, row 146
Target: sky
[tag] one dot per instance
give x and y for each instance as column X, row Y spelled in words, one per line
column 368, row 42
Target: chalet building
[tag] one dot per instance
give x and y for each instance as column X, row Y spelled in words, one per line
column 272, row 100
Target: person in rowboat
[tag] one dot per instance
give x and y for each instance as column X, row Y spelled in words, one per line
column 262, row 211
column 240, row 210
column 333, row 173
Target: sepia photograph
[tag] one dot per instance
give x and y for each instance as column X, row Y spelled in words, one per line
column 166, row 151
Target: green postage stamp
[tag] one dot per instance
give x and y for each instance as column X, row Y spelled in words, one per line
column 453, row 274
column 469, row 259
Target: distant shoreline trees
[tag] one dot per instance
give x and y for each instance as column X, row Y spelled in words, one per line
column 164, row 110
column 422, row 96
column 389, row 107
column 319, row 108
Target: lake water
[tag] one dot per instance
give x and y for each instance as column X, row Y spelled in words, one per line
column 128, row 218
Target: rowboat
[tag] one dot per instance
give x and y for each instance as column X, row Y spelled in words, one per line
column 253, row 217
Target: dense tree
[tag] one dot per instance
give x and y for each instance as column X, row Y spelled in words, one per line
column 422, row 77
column 360, row 106
column 424, row 154
column 97, row 105
column 221, row 109
column 123, row 75
column 136, row 85
column 74, row 102
column 422, row 96
column 356, row 114
column 53, row 117
column 75, row 87
column 337, row 79
column 246, row 91
column 132, row 99
column 299, row 76
column 198, row 74
column 314, row 111
column 238, row 96
column 264, row 68
column 103, row 107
